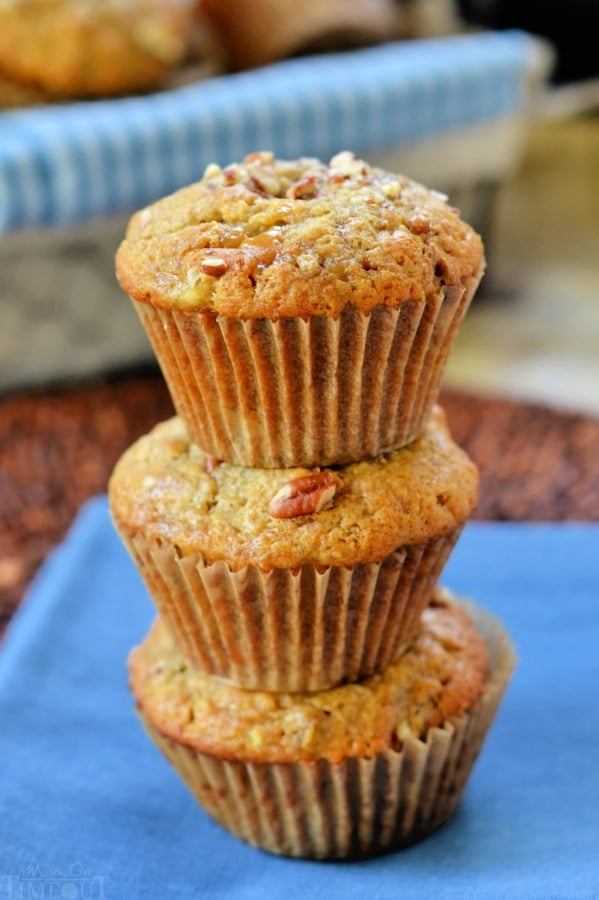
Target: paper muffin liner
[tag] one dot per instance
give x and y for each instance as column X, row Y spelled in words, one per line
column 315, row 392
column 358, row 807
column 302, row 629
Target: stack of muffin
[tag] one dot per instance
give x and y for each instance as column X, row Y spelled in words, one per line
column 318, row 691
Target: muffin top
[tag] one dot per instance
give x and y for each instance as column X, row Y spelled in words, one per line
column 273, row 238
column 172, row 492
column 438, row 677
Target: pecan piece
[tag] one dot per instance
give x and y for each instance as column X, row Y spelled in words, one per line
column 304, row 189
column 257, row 186
column 214, row 265
column 419, row 224
column 211, row 463
column 260, row 156
column 230, row 175
column 304, row 495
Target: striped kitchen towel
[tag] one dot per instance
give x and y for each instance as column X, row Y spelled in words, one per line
column 68, row 163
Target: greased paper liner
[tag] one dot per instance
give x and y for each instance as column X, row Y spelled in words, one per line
column 315, row 392
column 356, row 808
column 290, row 630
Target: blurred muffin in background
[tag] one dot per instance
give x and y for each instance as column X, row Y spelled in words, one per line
column 14, row 95
column 256, row 32
column 66, row 49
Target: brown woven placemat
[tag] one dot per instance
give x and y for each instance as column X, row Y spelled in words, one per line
column 58, row 447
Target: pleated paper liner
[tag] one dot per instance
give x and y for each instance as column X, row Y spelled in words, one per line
column 315, row 392
column 356, row 808
column 305, row 629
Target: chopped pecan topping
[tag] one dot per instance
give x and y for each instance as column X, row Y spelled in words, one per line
column 392, row 190
column 257, row 186
column 346, row 163
column 261, row 156
column 212, row 170
column 304, row 189
column 230, row 175
column 304, row 495
column 419, row 224
column 214, row 265
column 211, row 463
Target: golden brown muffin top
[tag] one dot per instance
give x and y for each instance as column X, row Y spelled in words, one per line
column 439, row 677
column 273, row 238
column 173, row 493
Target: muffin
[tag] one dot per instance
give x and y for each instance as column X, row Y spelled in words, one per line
column 15, row 95
column 345, row 773
column 88, row 48
column 256, row 32
column 302, row 313
column 291, row 579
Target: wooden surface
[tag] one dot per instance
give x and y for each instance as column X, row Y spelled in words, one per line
column 58, row 447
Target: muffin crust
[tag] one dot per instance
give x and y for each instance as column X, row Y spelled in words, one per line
column 175, row 494
column 439, row 677
column 275, row 238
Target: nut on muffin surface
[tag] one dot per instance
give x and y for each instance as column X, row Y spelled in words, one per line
column 173, row 492
column 275, row 238
column 440, row 676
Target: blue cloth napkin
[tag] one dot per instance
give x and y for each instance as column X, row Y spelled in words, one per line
column 90, row 809
column 67, row 163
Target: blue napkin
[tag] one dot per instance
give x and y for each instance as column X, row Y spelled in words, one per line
column 89, row 808
column 67, row 163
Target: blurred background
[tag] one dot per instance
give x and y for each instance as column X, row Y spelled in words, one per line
column 534, row 332
column 527, row 177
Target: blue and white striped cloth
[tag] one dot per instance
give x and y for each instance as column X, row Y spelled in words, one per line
column 68, row 163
